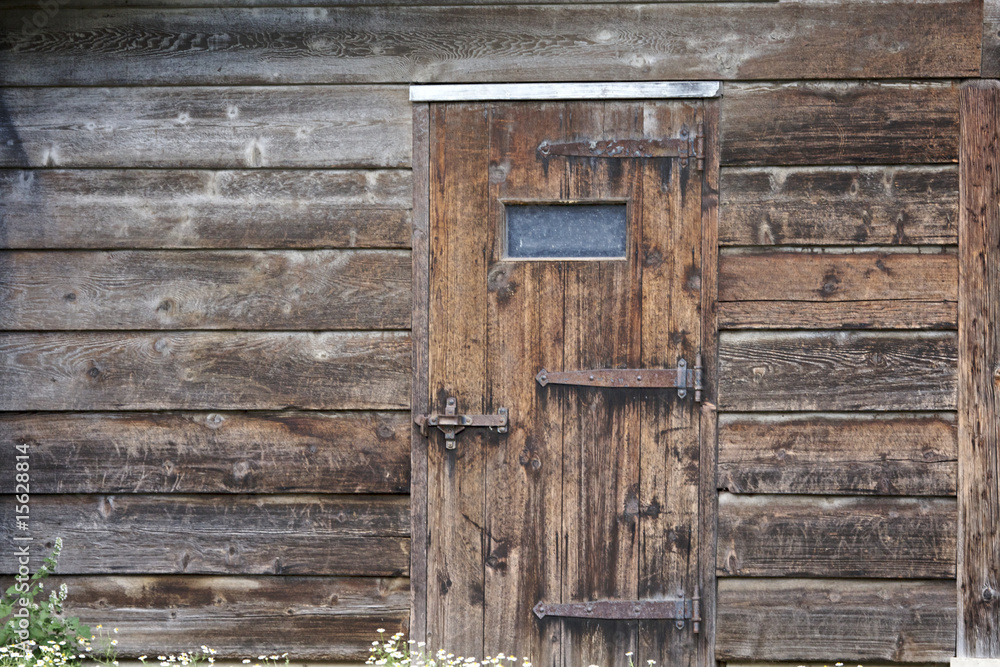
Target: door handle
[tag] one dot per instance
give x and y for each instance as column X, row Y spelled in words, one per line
column 450, row 423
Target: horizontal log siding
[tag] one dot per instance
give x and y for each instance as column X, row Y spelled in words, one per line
column 188, row 208
column 837, row 458
column 211, row 452
column 295, row 198
column 225, row 479
column 228, row 534
column 867, row 620
column 312, row 618
column 225, row 290
column 934, row 38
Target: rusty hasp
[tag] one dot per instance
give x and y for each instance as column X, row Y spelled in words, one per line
column 685, row 147
column 681, row 378
column 678, row 610
column 450, row 423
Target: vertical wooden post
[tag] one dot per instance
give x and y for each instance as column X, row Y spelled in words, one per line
column 420, row 395
column 979, row 373
column 709, row 495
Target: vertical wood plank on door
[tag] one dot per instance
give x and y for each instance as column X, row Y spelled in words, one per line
column 457, row 356
column 524, row 468
column 979, row 372
column 667, row 508
column 601, row 429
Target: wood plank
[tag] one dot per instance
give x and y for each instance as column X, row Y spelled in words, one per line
column 205, row 289
column 813, row 123
column 526, row 308
column 979, row 373
column 166, row 208
column 226, row 534
column 789, row 277
column 458, row 218
column 205, row 127
column 311, row 618
column 213, row 452
column 839, row 205
column 810, row 40
column 707, row 497
column 420, row 387
column 809, row 536
column 865, row 620
column 205, row 371
column 991, row 39
column 670, row 454
column 907, row 455
column 837, row 371
column 933, row 315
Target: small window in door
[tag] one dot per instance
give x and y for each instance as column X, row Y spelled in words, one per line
column 565, row 230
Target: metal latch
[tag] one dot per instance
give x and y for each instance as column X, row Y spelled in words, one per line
column 681, row 378
column 685, row 147
column 451, row 423
column 678, row 610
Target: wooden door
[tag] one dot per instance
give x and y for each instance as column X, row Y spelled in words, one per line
column 592, row 494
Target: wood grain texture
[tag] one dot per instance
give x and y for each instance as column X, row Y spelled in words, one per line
column 979, row 375
column 894, row 455
column 456, row 500
column 227, row 534
column 837, row 371
column 213, row 452
column 814, row 123
column 803, row 536
column 866, row 620
column 789, row 277
column 887, row 39
column 205, row 127
column 205, row 289
column 670, row 452
column 839, row 205
column 707, row 497
column 312, row 618
column 921, row 315
column 420, row 387
column 527, row 305
column 147, row 208
column 204, row 371
column 991, row 39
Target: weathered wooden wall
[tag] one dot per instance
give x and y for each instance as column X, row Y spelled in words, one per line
column 838, row 279
column 205, row 287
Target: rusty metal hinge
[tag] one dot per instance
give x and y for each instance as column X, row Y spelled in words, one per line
column 678, row 610
column 451, row 423
column 681, row 378
column 685, row 147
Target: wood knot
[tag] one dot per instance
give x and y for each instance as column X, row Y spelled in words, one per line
column 831, row 284
column 384, row 431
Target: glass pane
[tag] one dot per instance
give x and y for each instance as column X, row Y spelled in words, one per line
column 566, row 231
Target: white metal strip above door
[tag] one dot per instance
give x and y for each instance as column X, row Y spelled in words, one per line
column 631, row 90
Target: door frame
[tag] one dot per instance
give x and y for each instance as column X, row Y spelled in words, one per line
column 421, row 97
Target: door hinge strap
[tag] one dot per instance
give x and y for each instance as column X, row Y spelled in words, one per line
column 620, row 610
column 681, row 378
column 685, row 147
column 450, row 423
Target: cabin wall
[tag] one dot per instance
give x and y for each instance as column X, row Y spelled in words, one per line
column 205, row 304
